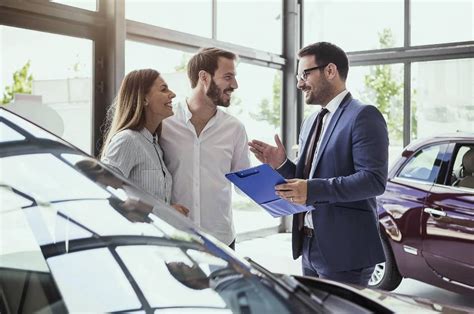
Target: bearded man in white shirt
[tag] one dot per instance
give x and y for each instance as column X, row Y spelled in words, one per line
column 202, row 143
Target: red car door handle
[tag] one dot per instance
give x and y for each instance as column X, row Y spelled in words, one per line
column 435, row 212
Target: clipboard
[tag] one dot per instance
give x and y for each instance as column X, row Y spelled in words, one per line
column 258, row 183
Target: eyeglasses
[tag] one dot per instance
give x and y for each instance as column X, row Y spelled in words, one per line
column 304, row 76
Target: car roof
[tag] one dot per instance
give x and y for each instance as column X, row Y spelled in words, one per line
column 450, row 137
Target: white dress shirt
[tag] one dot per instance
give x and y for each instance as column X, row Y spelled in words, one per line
column 199, row 164
column 331, row 107
column 138, row 157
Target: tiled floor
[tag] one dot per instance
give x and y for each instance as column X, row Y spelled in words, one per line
column 274, row 252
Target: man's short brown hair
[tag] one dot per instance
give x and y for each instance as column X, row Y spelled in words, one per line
column 206, row 60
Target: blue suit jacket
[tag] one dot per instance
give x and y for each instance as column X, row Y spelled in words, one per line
column 351, row 170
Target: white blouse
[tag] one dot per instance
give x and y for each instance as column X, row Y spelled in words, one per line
column 138, row 157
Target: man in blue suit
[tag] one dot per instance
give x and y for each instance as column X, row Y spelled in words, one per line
column 341, row 168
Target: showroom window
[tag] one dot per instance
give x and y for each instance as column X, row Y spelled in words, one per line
column 352, row 25
column 382, row 86
column 196, row 17
column 262, row 28
column 193, row 17
column 171, row 63
column 443, row 97
column 56, row 95
column 447, row 21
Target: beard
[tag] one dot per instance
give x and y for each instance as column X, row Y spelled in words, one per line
column 216, row 95
column 322, row 95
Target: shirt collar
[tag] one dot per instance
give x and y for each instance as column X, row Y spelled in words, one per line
column 147, row 134
column 188, row 114
column 336, row 101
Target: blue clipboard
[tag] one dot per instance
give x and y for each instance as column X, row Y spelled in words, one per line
column 258, row 183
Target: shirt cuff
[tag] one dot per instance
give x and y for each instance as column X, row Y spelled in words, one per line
column 281, row 164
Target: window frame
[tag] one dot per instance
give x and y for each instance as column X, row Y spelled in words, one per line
column 452, row 154
column 439, row 157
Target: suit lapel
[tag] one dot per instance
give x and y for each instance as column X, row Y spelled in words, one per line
column 332, row 124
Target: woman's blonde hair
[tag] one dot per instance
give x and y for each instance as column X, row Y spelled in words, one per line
column 128, row 109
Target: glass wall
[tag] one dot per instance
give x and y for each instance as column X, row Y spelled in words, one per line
column 435, row 22
column 56, row 95
column 443, row 97
column 382, row 86
column 383, row 71
column 353, row 25
column 193, row 17
column 256, row 24
column 171, row 63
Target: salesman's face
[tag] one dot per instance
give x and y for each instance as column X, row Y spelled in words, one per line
column 313, row 83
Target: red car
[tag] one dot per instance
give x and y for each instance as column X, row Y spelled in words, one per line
column 427, row 216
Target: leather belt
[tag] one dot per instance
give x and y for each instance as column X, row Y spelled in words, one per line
column 308, row 232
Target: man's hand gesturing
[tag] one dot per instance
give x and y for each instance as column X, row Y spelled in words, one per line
column 275, row 156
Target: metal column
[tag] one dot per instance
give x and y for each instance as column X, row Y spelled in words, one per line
column 290, row 117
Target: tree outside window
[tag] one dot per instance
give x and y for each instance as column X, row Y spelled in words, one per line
column 22, row 84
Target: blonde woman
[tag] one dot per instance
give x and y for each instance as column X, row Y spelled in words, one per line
column 131, row 142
